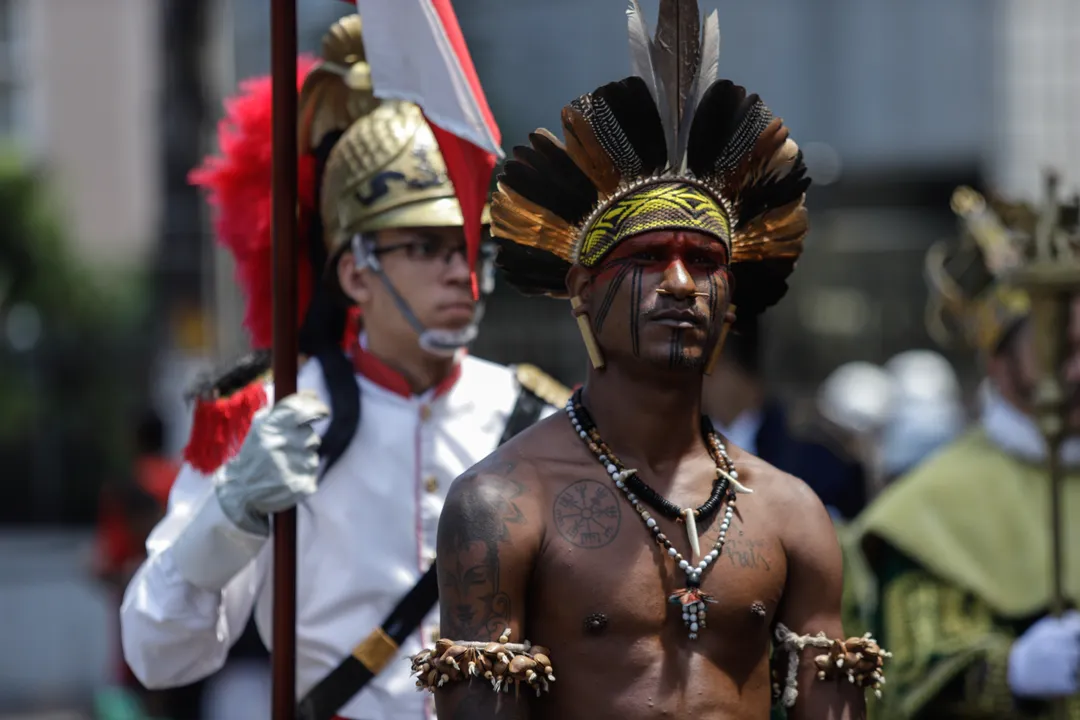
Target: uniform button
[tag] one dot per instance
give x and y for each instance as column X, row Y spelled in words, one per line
column 431, row 484
column 425, row 412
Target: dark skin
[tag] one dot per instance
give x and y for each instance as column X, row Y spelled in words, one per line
column 536, row 538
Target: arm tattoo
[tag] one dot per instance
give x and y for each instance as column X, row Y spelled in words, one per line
column 474, row 603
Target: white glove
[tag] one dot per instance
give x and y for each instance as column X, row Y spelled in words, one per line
column 1045, row 661
column 277, row 466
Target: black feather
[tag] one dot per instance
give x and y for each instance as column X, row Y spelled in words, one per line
column 758, row 286
column 725, row 126
column 549, row 159
column 771, row 194
column 626, row 109
column 237, row 377
column 531, row 271
column 543, row 186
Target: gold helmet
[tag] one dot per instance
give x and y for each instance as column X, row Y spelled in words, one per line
column 384, row 169
column 972, row 296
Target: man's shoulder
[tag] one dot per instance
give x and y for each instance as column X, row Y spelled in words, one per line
column 773, row 483
column 791, row 507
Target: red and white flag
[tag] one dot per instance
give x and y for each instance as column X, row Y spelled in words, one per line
column 417, row 53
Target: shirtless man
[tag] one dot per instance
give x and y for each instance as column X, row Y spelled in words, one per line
column 580, row 533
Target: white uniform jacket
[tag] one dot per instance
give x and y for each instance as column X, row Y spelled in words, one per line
column 363, row 540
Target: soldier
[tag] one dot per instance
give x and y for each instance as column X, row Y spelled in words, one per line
column 388, row 411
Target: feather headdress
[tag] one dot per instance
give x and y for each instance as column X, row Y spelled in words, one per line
column 672, row 147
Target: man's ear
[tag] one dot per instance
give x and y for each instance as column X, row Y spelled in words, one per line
column 354, row 282
column 579, row 282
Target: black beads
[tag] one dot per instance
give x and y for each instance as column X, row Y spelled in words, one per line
column 670, row 510
column 596, row 623
column 650, row 497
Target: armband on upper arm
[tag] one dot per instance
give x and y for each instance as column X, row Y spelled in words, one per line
column 859, row 659
column 502, row 663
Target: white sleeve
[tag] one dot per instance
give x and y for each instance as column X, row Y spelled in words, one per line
column 177, row 623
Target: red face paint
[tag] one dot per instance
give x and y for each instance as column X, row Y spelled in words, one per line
column 644, row 279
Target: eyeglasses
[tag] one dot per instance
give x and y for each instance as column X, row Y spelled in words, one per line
column 431, row 250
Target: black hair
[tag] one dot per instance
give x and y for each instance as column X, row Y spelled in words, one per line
column 150, row 433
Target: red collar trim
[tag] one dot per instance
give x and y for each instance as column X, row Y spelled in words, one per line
column 387, row 378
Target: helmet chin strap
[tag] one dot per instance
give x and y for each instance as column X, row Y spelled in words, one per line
column 437, row 341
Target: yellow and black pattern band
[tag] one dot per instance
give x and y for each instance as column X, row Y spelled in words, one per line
column 663, row 206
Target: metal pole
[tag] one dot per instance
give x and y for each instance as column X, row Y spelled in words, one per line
column 1052, row 278
column 283, row 49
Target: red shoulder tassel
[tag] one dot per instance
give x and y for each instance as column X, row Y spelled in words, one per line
column 220, row 425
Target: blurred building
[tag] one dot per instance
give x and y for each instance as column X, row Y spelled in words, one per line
column 78, row 88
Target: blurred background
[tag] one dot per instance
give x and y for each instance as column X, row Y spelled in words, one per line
column 114, row 298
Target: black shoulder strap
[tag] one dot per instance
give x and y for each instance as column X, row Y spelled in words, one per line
column 538, row 390
column 322, row 702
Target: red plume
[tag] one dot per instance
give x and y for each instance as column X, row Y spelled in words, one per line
column 239, row 183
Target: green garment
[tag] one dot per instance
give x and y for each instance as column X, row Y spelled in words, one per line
column 960, row 551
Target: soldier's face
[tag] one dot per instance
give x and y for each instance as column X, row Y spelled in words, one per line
column 428, row 268
column 659, row 297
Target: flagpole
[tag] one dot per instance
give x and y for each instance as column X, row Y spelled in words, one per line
column 283, row 49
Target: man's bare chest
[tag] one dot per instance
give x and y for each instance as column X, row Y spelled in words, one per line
column 603, row 571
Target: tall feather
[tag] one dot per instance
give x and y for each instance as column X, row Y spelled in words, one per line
column 641, row 51
column 708, row 72
column 676, row 53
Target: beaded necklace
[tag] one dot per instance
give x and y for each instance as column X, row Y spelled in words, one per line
column 691, row 599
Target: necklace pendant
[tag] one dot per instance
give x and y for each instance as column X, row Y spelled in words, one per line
column 691, row 532
column 692, row 602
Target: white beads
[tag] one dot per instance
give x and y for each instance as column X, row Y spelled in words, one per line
column 693, row 613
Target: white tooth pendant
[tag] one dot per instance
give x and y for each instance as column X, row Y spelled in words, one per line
column 735, row 484
column 691, row 532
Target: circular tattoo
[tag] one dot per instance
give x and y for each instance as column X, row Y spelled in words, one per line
column 587, row 514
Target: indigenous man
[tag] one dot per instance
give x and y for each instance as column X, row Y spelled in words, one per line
column 383, row 229
column 609, row 532
column 960, row 547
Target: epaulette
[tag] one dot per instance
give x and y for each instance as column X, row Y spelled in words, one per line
column 223, row 413
column 542, row 385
